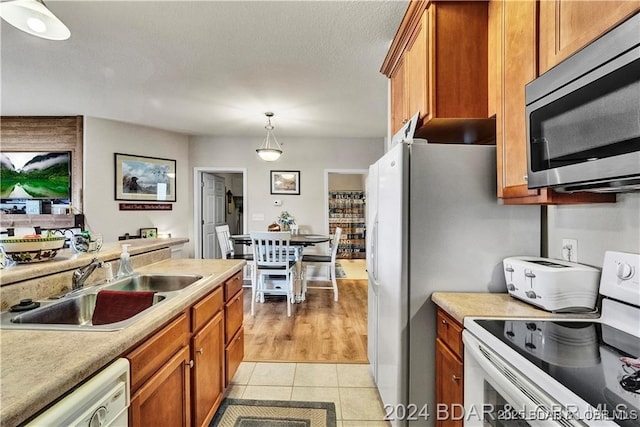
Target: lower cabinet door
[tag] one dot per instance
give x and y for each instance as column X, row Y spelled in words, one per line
column 208, row 380
column 164, row 399
column 449, row 386
column 234, row 354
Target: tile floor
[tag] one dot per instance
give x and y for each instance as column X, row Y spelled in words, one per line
column 348, row 386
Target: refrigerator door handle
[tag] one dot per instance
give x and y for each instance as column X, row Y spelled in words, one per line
column 373, row 249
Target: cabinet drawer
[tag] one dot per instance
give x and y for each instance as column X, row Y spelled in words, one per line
column 155, row 351
column 206, row 308
column 450, row 332
column 233, row 355
column 232, row 286
column 234, row 315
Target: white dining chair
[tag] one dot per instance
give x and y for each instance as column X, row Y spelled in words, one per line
column 271, row 254
column 326, row 260
column 228, row 252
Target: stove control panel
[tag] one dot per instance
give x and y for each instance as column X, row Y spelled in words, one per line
column 621, row 277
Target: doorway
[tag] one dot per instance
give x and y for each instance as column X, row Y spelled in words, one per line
column 220, row 196
column 345, row 189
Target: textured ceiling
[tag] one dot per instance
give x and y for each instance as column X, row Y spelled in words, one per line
column 209, row 67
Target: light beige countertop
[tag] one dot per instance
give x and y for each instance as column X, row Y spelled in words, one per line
column 36, row 367
column 463, row 304
column 69, row 259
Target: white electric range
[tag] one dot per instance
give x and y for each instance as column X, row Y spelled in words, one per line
column 568, row 372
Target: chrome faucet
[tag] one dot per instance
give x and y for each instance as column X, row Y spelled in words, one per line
column 82, row 273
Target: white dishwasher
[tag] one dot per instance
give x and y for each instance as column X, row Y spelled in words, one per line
column 100, row 402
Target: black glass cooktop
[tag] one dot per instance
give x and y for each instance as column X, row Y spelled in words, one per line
column 598, row 363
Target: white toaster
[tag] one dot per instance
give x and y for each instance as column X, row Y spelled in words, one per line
column 551, row 284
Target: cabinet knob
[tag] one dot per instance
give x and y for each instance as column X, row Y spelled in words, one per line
column 455, row 378
column 188, row 364
column 444, row 322
column 200, row 351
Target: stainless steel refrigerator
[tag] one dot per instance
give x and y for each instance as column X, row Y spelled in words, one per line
column 434, row 223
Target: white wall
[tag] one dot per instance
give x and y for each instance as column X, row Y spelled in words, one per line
column 309, row 156
column 597, row 227
column 103, row 138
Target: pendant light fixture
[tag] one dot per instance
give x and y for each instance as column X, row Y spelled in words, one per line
column 33, row 17
column 270, row 150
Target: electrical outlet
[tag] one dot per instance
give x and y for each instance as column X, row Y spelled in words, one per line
column 570, row 250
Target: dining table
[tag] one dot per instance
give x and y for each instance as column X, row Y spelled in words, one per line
column 299, row 241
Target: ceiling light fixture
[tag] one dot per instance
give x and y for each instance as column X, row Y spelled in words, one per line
column 270, row 150
column 33, row 17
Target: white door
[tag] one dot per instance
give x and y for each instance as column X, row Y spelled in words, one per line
column 213, row 213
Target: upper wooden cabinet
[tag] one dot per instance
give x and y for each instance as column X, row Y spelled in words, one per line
column 568, row 25
column 437, row 64
column 399, row 110
column 513, row 55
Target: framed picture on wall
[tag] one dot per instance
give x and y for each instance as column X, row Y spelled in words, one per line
column 140, row 178
column 285, row 182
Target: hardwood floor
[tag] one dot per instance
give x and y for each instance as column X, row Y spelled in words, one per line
column 319, row 329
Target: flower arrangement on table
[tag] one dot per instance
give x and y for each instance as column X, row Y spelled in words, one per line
column 285, row 219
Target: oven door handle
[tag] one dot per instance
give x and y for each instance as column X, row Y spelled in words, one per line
column 510, row 383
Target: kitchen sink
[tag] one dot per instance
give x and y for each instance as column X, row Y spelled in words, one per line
column 74, row 311
column 154, row 282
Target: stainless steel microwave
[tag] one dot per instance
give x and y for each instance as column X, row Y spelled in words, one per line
column 583, row 117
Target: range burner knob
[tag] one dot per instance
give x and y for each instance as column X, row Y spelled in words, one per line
column 511, row 287
column 531, row 294
column 624, row 271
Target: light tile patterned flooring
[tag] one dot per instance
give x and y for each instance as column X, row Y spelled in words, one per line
column 349, row 386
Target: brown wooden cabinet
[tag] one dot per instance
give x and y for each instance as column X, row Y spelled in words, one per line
column 164, row 399
column 207, row 352
column 180, row 372
column 160, row 377
column 437, row 64
column 568, row 25
column 234, row 332
column 417, row 77
column 513, row 53
column 449, row 368
column 399, row 110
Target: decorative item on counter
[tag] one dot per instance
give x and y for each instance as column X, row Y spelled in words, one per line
column 273, row 227
column 87, row 241
column 164, row 235
column 31, row 248
column 286, row 220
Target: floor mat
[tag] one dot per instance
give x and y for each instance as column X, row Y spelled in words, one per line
column 274, row 413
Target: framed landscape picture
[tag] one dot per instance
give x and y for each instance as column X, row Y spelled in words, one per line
column 285, row 182
column 142, row 178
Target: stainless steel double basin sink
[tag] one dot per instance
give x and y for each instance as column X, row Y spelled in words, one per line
column 74, row 311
